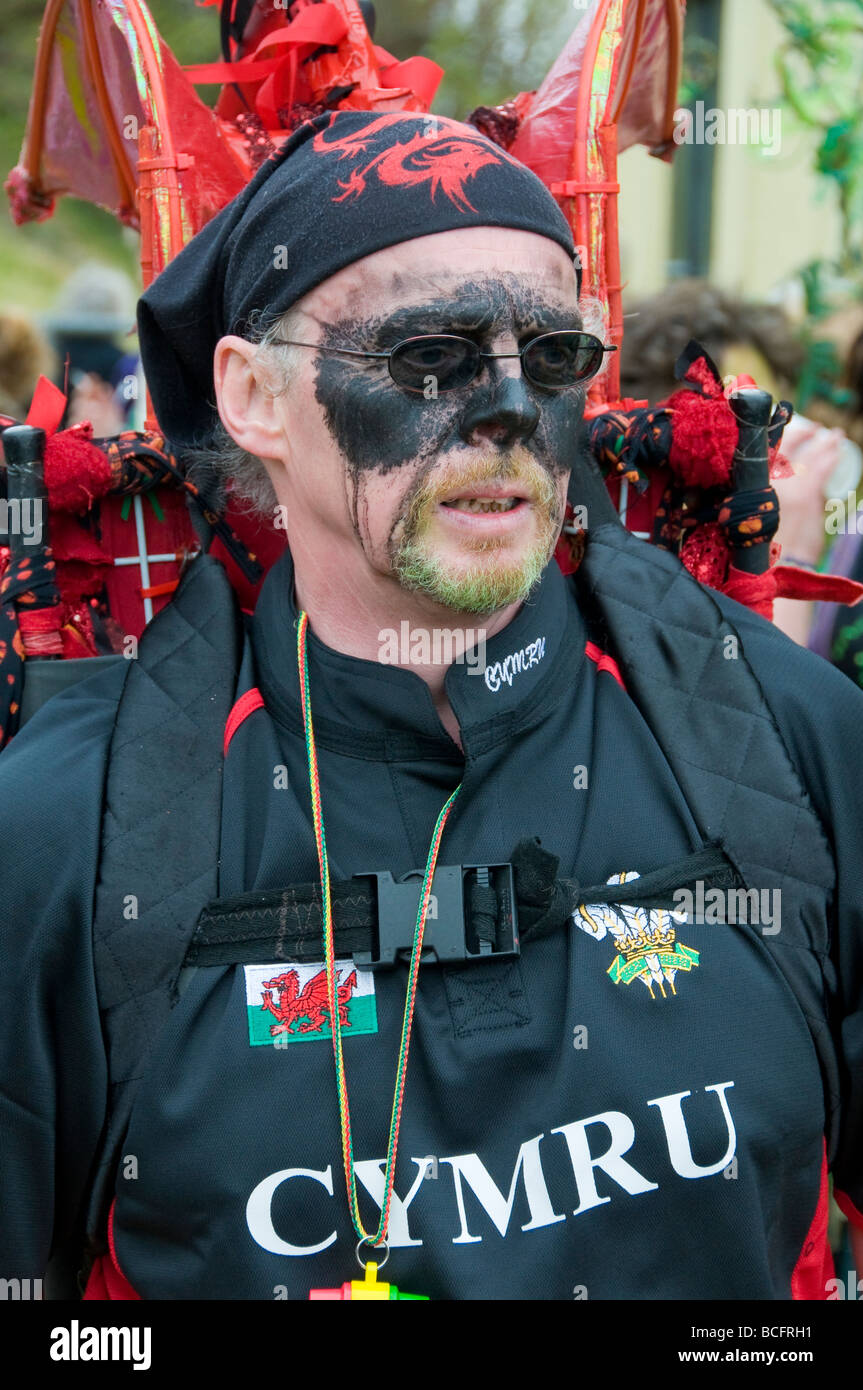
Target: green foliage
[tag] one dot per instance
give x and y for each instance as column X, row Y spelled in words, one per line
column 819, row 374
column 699, row 68
column 490, row 49
column 820, row 69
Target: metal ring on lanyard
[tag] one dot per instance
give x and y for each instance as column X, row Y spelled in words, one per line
column 368, row 1240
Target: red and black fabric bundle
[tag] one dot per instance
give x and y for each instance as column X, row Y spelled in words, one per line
column 66, row 599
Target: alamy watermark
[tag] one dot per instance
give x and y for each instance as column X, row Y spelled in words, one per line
column 851, row 1288
column 435, row 646
column 842, row 515
column 757, row 907
column 22, row 516
column 77, row 1343
column 20, row 1290
column 734, row 125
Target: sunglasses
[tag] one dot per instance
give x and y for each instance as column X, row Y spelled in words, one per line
column 553, row 361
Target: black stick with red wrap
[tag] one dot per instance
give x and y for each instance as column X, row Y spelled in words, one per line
column 31, row 578
column 751, row 513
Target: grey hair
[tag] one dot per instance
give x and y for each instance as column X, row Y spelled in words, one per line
column 223, row 460
column 594, row 317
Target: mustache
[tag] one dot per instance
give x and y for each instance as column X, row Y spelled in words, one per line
column 534, row 482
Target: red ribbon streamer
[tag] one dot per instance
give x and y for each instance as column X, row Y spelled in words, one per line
column 46, row 407
column 757, row 591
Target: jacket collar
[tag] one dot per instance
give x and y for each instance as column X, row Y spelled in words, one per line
column 500, row 685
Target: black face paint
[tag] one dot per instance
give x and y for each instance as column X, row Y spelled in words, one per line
column 344, row 185
column 380, row 427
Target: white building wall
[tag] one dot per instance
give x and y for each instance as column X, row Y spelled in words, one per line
column 771, row 212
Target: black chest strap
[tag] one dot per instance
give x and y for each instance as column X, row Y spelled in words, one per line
column 481, row 911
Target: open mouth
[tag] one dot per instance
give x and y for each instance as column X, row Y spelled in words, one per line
column 484, row 504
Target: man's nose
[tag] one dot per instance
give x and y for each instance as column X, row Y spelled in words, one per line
column 503, row 413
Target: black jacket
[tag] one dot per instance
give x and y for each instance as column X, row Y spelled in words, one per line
column 566, row 1128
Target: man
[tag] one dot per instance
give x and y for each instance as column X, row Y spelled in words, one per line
column 634, row 1104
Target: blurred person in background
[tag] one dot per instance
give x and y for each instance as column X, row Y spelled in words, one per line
column 760, row 337
column 819, row 456
column 24, row 357
column 93, row 314
column 837, row 633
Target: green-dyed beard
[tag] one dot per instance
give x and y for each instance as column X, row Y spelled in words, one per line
column 478, row 589
column 473, row 590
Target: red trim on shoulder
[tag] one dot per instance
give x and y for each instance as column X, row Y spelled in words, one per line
column 847, row 1207
column 107, row 1280
column 246, row 705
column 814, row 1265
column 604, row 662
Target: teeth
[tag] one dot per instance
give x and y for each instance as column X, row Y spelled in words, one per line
column 483, row 504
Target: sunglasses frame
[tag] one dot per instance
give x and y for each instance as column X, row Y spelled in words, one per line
column 458, row 337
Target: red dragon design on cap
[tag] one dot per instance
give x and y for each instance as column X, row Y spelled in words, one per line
column 442, row 154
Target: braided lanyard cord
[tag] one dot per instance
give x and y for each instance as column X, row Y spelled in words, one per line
column 332, row 980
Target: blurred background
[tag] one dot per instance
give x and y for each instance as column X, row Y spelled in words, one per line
column 748, row 240
column 748, row 216
column 776, row 220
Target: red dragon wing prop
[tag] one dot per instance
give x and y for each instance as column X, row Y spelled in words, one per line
column 613, row 86
column 115, row 120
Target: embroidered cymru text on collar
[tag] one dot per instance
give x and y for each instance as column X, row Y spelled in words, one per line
column 502, row 672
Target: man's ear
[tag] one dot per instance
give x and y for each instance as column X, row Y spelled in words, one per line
column 245, row 399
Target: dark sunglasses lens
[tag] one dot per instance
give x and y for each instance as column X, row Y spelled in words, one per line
column 435, row 363
column 562, row 359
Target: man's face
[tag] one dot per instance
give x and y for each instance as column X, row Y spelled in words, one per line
column 456, row 495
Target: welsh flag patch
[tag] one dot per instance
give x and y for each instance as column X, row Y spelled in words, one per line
column 290, row 1004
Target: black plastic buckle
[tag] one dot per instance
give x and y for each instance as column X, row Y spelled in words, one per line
column 449, row 936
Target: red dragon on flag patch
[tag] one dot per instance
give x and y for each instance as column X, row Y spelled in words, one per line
column 297, row 999
column 309, row 1003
